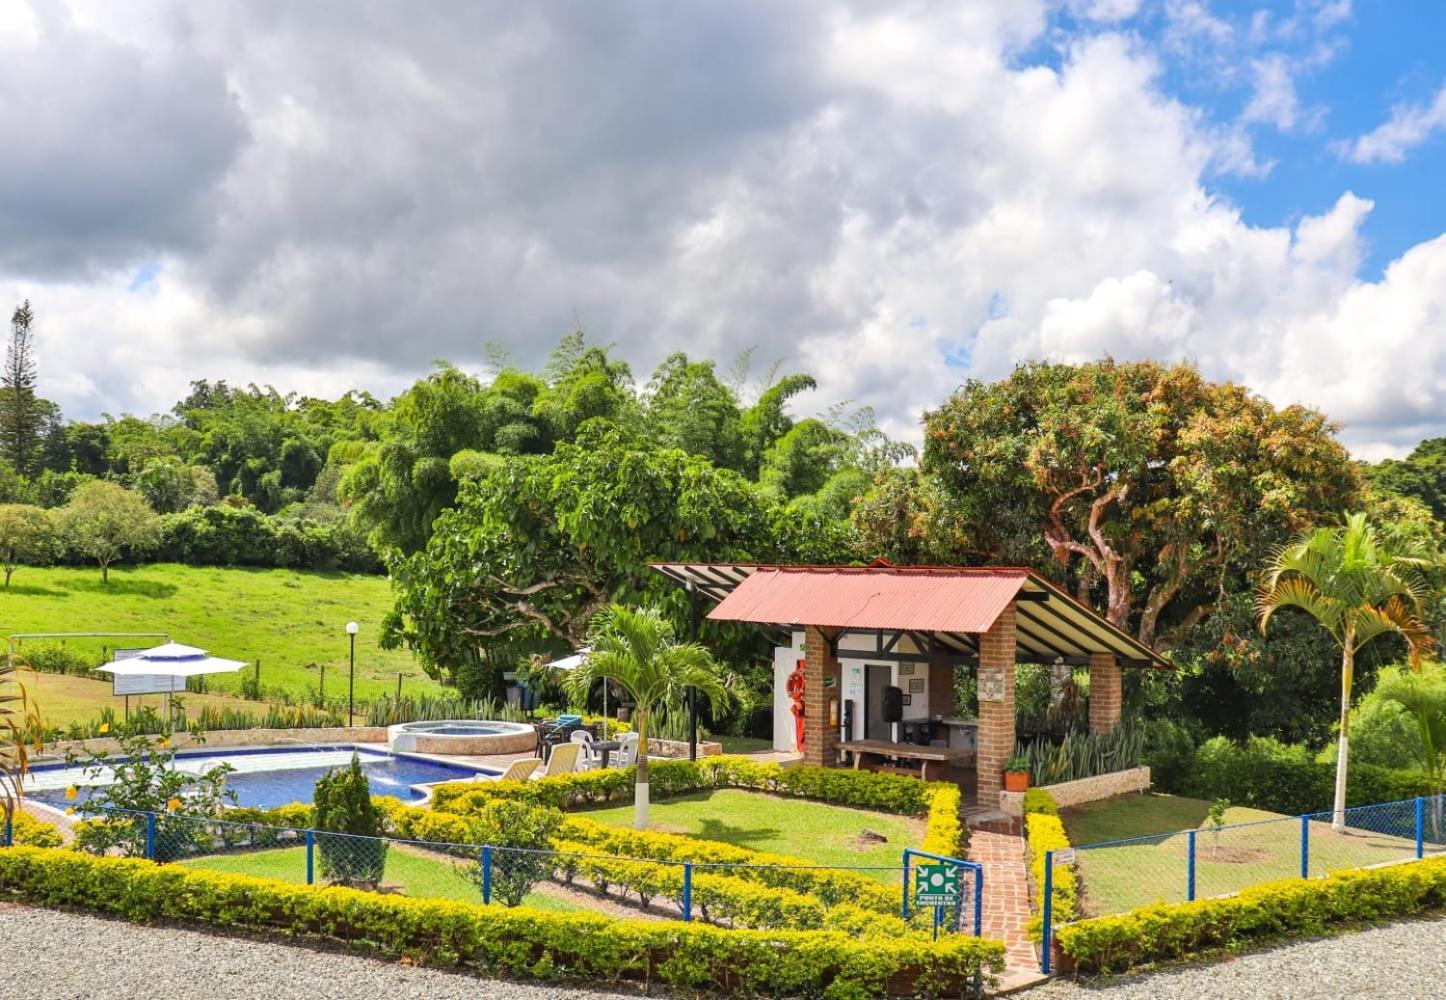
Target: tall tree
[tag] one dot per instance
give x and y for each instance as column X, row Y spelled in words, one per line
column 1358, row 585
column 1145, row 486
column 21, row 414
column 1421, row 475
column 27, row 537
column 638, row 651
column 104, row 521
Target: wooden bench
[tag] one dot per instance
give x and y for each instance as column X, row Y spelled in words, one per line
column 941, row 758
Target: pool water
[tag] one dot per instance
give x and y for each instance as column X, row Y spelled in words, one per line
column 268, row 778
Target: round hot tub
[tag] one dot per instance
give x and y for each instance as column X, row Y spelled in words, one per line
column 462, row 736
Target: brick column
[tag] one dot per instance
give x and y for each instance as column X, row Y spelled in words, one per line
column 996, row 718
column 819, row 738
column 1104, row 692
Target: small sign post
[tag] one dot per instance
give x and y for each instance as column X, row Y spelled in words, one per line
column 936, row 885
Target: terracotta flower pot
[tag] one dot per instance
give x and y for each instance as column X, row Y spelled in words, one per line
column 1016, row 781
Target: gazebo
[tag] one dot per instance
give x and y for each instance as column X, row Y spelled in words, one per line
column 851, row 627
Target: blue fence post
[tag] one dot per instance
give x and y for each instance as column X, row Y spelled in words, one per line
column 1047, row 937
column 1420, row 827
column 487, row 874
column 151, row 835
column 10, row 830
column 310, row 857
column 1190, row 868
column 904, row 905
column 687, row 890
column 978, row 898
column 1305, row 847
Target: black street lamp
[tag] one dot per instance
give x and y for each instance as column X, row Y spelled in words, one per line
column 351, row 630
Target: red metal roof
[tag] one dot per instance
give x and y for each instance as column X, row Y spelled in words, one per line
column 926, row 599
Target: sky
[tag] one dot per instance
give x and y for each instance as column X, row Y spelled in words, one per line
column 894, row 197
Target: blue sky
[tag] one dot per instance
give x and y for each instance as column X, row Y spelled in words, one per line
column 892, row 197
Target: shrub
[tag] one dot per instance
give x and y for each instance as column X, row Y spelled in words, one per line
column 522, row 832
column 58, row 658
column 503, row 941
column 26, row 829
column 943, row 832
column 1274, row 909
column 1044, row 832
column 1081, row 754
column 343, row 805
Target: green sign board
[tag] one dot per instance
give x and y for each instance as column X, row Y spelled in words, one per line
column 936, row 885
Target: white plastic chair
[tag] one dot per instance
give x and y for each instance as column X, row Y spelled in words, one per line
column 589, row 758
column 627, row 749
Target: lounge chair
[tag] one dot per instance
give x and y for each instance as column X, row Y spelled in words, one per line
column 563, row 760
column 520, row 770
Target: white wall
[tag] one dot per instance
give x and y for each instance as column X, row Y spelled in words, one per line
column 785, row 659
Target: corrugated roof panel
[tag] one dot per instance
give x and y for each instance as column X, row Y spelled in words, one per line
column 926, row 600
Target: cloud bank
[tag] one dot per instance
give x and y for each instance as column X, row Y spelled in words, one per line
column 322, row 196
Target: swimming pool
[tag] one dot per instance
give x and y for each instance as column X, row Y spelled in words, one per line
column 272, row 776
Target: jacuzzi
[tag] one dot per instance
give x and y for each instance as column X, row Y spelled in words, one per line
column 462, row 736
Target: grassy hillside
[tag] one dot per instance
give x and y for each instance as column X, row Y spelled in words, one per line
column 292, row 621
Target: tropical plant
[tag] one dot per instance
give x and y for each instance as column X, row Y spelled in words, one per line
column 1422, row 697
column 143, row 778
column 1082, row 754
column 636, row 649
column 343, row 805
column 1018, row 764
column 521, row 835
column 18, row 717
column 1358, row 584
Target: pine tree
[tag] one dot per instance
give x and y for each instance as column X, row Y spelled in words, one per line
column 21, row 414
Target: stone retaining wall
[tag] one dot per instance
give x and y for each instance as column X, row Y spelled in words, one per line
column 1073, row 793
column 678, row 749
column 238, row 738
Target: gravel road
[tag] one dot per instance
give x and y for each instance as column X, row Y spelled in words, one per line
column 50, row 955
column 1403, row 961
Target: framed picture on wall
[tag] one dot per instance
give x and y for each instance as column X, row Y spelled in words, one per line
column 916, row 685
column 908, row 700
column 906, row 670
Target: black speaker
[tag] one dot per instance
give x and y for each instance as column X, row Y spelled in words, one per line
column 893, row 704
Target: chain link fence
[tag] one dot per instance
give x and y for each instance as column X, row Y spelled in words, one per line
column 1216, row 860
column 554, row 879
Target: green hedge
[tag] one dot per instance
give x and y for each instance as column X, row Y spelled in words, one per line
column 1267, row 774
column 1275, row 909
column 506, row 941
column 1045, row 832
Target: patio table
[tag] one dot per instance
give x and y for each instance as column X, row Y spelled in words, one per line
column 606, row 748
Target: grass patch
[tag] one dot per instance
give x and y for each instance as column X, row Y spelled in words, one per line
column 411, row 873
column 1126, row 876
column 64, row 699
column 825, row 834
column 744, row 744
column 292, row 621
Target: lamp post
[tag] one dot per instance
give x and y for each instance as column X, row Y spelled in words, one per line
column 351, row 630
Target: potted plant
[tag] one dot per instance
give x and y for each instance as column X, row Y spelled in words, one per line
column 1016, row 774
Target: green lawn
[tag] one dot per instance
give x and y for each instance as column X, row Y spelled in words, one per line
column 291, row 621
column 63, row 699
column 413, row 874
column 1155, row 870
column 744, row 744
column 825, row 834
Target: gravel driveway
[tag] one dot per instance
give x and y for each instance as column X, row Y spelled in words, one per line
column 1403, row 961
column 50, row 955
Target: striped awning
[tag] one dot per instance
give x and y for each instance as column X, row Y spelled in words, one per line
column 941, row 607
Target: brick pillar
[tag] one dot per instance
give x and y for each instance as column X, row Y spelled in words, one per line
column 1104, row 692
column 819, row 738
column 996, row 718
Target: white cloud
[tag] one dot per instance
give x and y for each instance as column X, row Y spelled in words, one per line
column 1108, row 11
column 1274, row 100
column 894, row 200
column 1408, row 127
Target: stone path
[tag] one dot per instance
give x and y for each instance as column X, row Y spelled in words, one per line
column 998, row 846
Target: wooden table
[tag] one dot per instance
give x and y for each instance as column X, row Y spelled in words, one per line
column 939, row 757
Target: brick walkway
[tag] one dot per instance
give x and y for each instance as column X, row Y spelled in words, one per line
column 998, row 846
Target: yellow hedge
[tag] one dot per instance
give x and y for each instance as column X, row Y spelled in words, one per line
column 1044, row 832
column 507, row 941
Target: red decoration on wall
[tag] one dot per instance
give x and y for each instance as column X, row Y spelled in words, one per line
column 795, row 688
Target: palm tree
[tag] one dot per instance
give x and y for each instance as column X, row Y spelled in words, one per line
column 1422, row 697
column 637, row 650
column 1358, row 586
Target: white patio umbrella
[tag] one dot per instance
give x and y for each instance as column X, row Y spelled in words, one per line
column 175, row 661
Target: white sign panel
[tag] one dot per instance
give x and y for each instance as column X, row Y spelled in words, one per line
column 126, row 684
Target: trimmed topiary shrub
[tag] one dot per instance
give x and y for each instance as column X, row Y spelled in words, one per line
column 343, row 806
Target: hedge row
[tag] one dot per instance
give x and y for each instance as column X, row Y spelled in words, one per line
column 1266, row 774
column 507, row 941
column 1296, row 907
column 26, row 829
column 1045, row 832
